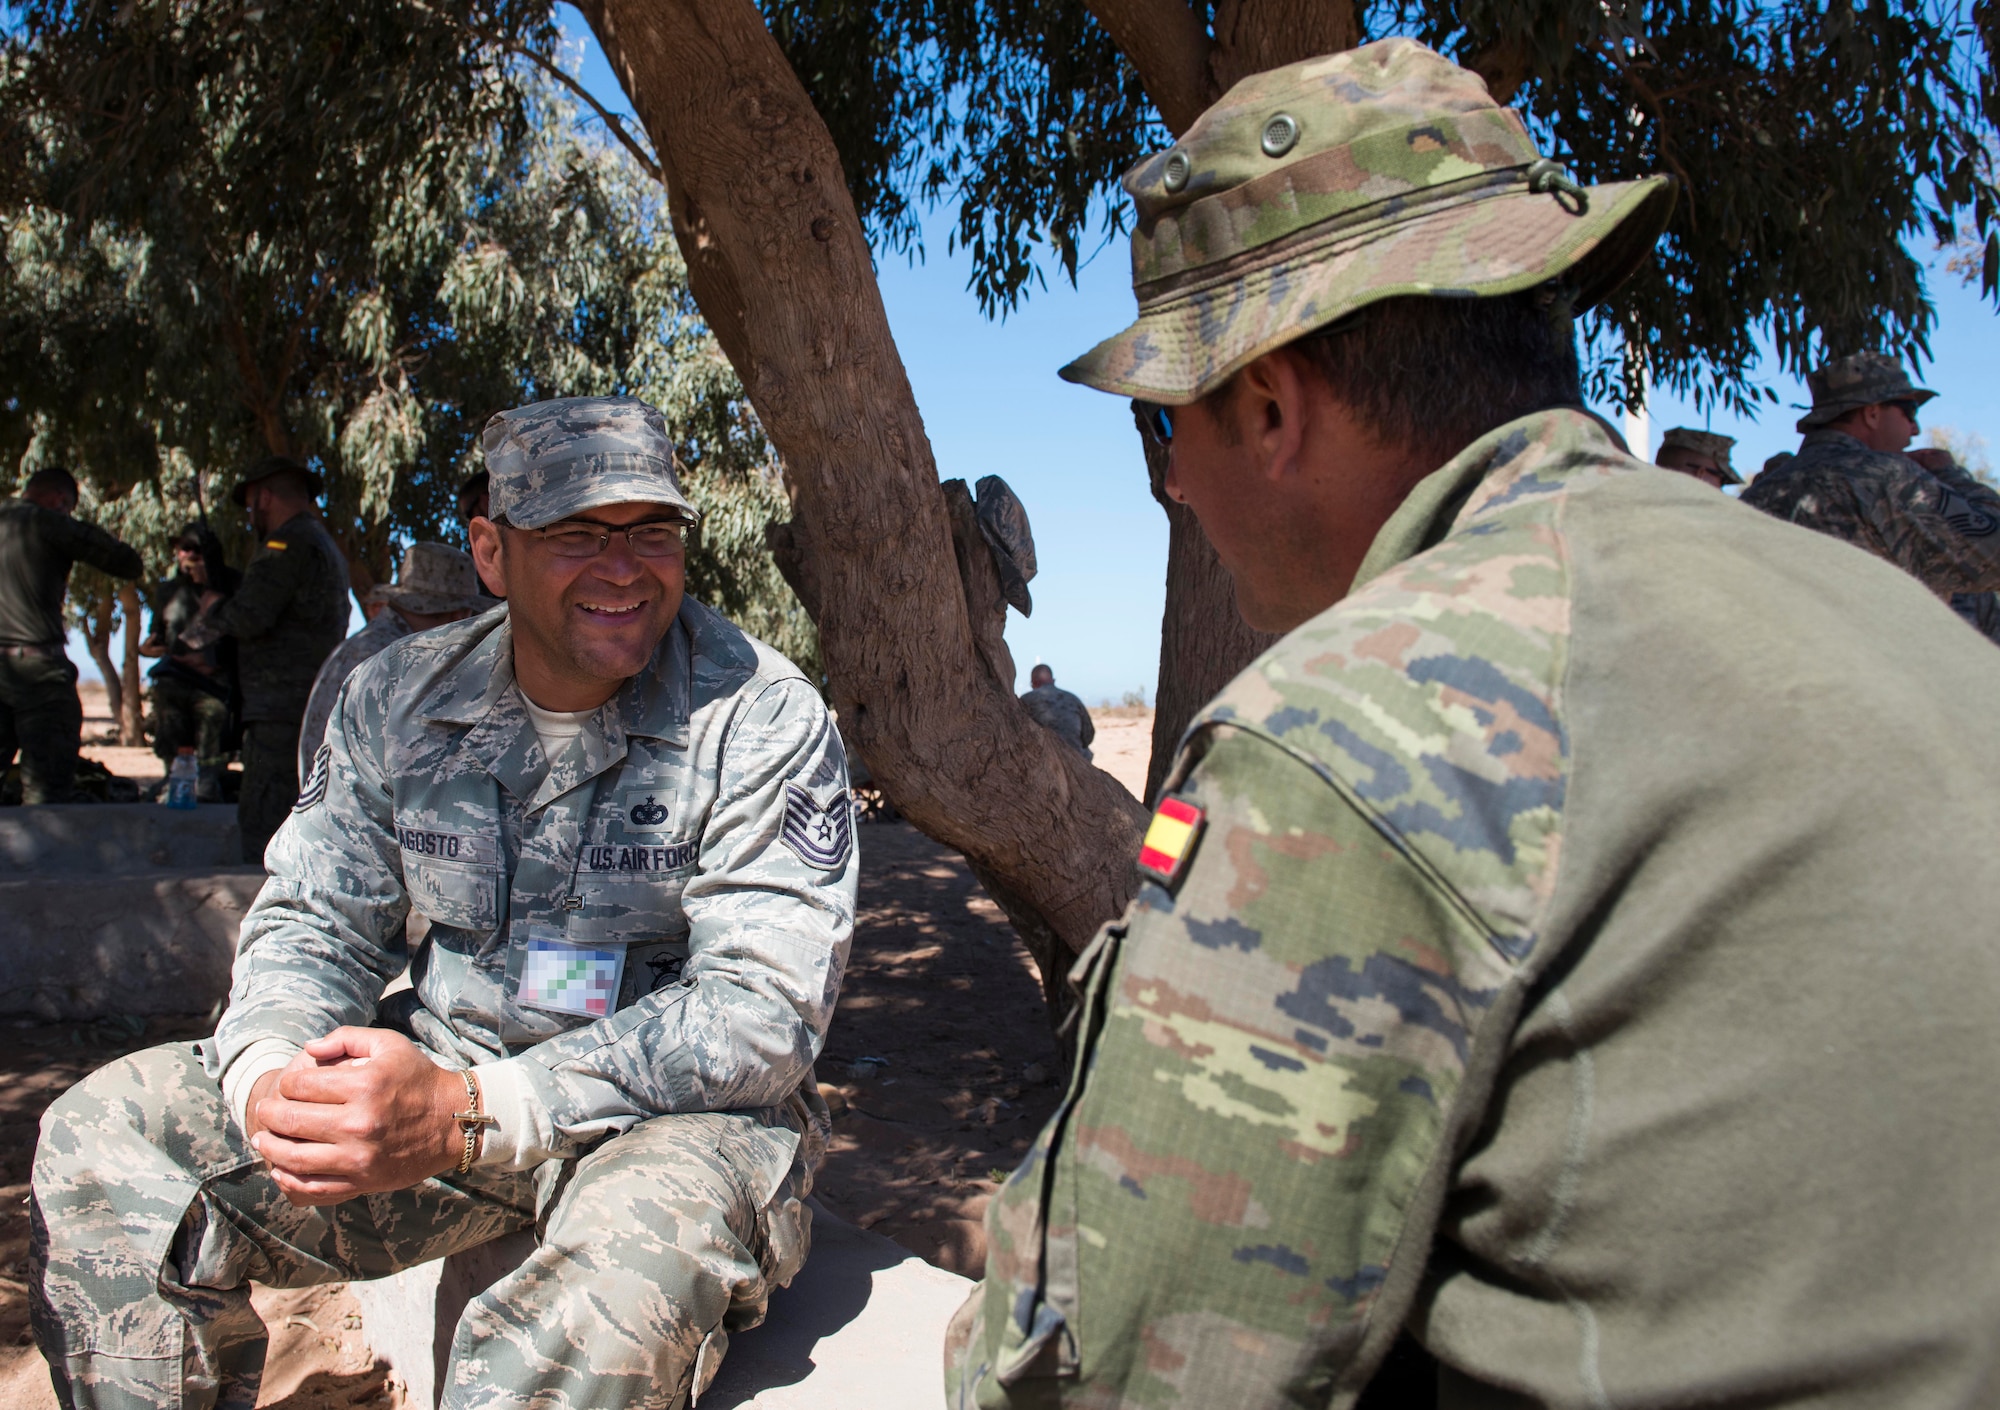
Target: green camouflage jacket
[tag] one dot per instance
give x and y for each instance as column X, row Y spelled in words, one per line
column 1510, row 966
column 289, row 613
column 656, row 920
column 1941, row 528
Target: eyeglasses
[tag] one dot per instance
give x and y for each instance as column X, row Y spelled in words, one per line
column 584, row 538
column 1158, row 421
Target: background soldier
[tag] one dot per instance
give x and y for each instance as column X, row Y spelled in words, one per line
column 436, row 585
column 628, row 824
column 1056, row 710
column 1851, row 480
column 1509, row 965
column 1702, row 454
column 1981, row 609
column 40, row 715
column 290, row 612
column 192, row 689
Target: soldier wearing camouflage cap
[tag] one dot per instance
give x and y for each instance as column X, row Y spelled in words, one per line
column 1851, row 479
column 627, row 825
column 1510, row 966
column 1702, row 454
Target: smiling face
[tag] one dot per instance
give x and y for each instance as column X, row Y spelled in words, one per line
column 582, row 626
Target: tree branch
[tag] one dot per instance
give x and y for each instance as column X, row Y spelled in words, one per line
column 611, row 120
column 1167, row 44
column 1254, row 35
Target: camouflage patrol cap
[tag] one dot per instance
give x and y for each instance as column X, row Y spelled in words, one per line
column 1850, row 383
column 557, row 458
column 1708, row 443
column 1313, row 190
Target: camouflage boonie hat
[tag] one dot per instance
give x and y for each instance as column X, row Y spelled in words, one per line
column 433, row 577
column 557, row 458
column 1708, row 443
column 1849, row 383
column 1315, row 189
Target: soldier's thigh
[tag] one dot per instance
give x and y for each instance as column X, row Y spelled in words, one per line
column 657, row 1242
column 48, row 726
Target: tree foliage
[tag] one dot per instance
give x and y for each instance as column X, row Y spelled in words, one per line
column 349, row 232
column 1813, row 140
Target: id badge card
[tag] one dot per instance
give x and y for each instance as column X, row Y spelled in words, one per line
column 562, row 977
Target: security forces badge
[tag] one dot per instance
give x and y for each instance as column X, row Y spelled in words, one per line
column 819, row 834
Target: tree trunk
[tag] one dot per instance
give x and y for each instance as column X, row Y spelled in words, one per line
column 780, row 266
column 130, row 709
column 1204, row 641
column 98, row 640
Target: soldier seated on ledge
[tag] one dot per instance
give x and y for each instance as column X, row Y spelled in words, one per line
column 627, row 824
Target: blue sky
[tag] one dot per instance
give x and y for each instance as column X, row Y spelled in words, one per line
column 993, row 405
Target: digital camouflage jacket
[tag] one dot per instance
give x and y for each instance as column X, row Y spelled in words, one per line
column 654, row 921
column 1528, row 958
column 1941, row 529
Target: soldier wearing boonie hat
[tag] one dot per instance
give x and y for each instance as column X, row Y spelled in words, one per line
column 1490, row 927
column 627, row 825
column 1702, row 454
column 1850, row 479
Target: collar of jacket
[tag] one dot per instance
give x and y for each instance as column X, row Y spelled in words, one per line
column 480, row 692
column 1539, row 454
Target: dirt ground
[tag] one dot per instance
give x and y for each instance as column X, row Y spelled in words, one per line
column 939, row 1063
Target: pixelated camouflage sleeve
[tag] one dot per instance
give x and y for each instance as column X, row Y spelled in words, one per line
column 1944, row 529
column 326, row 934
column 1234, row 1203
column 768, row 940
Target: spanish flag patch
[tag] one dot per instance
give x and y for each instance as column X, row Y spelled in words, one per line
column 1170, row 839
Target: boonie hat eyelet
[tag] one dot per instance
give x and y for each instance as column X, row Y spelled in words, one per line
column 1281, row 134
column 1178, row 170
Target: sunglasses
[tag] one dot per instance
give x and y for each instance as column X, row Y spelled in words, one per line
column 1157, row 420
column 1908, row 408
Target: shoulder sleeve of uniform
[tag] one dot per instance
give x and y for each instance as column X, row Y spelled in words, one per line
column 89, row 544
column 1240, row 1188
column 269, row 584
column 1943, row 530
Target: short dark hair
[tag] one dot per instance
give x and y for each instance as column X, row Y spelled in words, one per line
column 1435, row 373
column 52, row 477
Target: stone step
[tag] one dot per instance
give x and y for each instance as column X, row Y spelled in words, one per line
column 861, row 1327
column 75, row 947
column 97, row 840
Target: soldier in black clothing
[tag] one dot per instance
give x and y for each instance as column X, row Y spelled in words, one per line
column 40, row 715
column 290, row 611
column 192, row 689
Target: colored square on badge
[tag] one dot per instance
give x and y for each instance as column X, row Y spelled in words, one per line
column 566, row 978
column 1170, row 838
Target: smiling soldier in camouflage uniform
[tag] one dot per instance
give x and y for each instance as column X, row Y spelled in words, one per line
column 1511, row 967
column 639, row 914
column 1850, row 479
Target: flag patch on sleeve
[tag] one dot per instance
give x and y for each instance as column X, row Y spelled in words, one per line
column 1170, row 839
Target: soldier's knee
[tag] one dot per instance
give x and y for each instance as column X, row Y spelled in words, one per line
column 123, row 1100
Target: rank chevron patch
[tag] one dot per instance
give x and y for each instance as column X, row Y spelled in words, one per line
column 822, row 836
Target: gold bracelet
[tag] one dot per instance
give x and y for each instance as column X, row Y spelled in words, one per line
column 470, row 1121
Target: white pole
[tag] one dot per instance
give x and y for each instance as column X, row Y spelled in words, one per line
column 1639, row 425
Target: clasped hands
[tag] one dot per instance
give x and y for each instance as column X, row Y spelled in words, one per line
column 359, row 1112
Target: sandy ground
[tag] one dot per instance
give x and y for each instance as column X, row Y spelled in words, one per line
column 100, row 740
column 939, row 1064
column 1123, row 744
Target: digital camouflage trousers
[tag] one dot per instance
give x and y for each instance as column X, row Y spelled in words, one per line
column 151, row 1217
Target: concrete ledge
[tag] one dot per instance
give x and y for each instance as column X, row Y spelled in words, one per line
column 860, row 1328
column 76, row 948
column 97, row 840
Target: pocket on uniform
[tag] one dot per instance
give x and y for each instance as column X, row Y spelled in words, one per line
column 454, row 894
column 1032, row 1234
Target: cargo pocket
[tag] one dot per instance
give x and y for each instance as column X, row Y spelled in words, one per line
column 454, row 893
column 1033, row 1237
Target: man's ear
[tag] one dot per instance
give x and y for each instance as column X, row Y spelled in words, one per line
column 488, row 553
column 1272, row 401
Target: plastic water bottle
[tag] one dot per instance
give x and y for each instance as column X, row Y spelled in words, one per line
column 183, row 778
